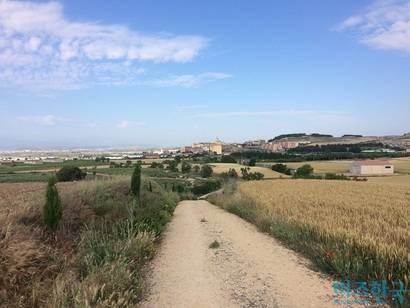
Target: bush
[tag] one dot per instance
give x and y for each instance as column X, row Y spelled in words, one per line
column 231, row 174
column 305, row 171
column 228, row 159
column 251, row 176
column 70, row 173
column 334, row 176
column 206, row 171
column 52, row 209
column 281, row 168
column 206, row 188
column 186, row 167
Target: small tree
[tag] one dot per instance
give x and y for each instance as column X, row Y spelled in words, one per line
column 206, row 171
column 172, row 165
column 305, row 171
column 186, row 167
column 196, row 169
column 282, row 168
column 136, row 182
column 52, row 209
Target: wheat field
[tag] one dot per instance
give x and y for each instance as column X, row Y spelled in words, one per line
column 371, row 211
column 358, row 229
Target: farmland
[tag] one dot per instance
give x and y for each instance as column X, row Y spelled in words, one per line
column 268, row 174
column 356, row 230
column 401, row 165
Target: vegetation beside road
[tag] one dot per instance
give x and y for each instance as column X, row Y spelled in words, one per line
column 96, row 255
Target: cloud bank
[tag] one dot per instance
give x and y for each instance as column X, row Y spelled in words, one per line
column 41, row 49
column 384, row 25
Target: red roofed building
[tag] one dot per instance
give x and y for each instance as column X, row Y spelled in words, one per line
column 371, row 167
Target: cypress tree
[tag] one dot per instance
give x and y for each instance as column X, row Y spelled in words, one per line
column 136, row 182
column 52, row 209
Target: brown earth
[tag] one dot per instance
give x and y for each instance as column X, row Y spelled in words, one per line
column 249, row 269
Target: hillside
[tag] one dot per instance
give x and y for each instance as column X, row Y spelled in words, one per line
column 321, row 139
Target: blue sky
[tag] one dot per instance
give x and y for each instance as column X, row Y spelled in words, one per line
column 170, row 73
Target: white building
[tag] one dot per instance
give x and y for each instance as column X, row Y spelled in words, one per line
column 371, row 167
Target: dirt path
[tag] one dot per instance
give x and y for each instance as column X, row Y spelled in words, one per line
column 249, row 269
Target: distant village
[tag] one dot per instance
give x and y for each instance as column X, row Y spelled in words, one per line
column 216, row 147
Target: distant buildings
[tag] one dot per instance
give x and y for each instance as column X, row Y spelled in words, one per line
column 258, row 145
column 208, row 147
column 371, row 167
column 216, row 147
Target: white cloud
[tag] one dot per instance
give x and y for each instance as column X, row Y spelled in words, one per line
column 188, row 81
column 385, row 25
column 43, row 50
column 123, row 124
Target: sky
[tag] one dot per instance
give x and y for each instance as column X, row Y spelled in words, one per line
column 170, row 73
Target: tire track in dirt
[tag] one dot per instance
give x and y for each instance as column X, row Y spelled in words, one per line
column 249, row 269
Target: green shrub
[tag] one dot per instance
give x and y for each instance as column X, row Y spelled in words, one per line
column 304, row 172
column 281, row 168
column 251, row 176
column 206, row 187
column 70, row 173
column 206, row 171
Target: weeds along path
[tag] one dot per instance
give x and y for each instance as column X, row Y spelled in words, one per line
column 249, row 269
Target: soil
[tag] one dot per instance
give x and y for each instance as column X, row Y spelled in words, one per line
column 249, row 269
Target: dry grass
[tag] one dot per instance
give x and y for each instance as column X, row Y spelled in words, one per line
column 401, row 164
column 269, row 174
column 96, row 256
column 332, row 166
column 403, row 179
column 29, row 258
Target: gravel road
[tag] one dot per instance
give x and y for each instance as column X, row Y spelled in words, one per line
column 249, row 269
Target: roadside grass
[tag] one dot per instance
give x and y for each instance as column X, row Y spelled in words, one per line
column 351, row 230
column 95, row 258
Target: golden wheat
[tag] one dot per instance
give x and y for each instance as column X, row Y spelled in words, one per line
column 362, row 211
